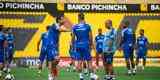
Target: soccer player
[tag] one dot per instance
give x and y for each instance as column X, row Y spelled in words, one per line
column 109, row 48
column 43, row 53
column 3, row 44
column 99, row 45
column 141, row 48
column 62, row 25
column 128, row 42
column 9, row 50
column 82, row 35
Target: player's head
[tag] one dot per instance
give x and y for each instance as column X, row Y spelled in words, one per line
column 9, row 30
column 99, row 30
column 1, row 27
column 141, row 31
column 108, row 24
column 126, row 24
column 81, row 17
column 60, row 19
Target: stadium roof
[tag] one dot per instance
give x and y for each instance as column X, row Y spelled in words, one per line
column 88, row 1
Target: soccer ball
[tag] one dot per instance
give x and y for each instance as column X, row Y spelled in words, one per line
column 9, row 77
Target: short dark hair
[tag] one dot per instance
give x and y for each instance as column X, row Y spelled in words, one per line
column 81, row 16
column 127, row 23
column 142, row 30
column 1, row 27
column 59, row 17
column 47, row 27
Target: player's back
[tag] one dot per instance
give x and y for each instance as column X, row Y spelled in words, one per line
column 10, row 40
column 142, row 41
column 99, row 40
column 54, row 35
column 128, row 36
column 45, row 39
column 81, row 32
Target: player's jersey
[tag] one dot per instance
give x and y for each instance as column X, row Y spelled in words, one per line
column 142, row 42
column 2, row 40
column 109, row 36
column 53, row 36
column 99, row 41
column 10, row 40
column 45, row 39
column 128, row 37
column 81, row 31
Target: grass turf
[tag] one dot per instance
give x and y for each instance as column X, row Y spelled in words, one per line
column 150, row 73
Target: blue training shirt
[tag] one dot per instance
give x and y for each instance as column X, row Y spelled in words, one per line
column 99, row 41
column 128, row 37
column 54, row 35
column 45, row 39
column 142, row 42
column 81, row 31
column 10, row 40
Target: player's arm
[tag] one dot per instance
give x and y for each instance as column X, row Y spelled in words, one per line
column 121, row 41
column 147, row 44
column 91, row 40
column 95, row 41
column 67, row 26
column 134, row 40
column 72, row 39
column 64, row 29
column 38, row 44
column 5, row 43
column 136, row 44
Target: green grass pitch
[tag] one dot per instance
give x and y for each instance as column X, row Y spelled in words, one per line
column 150, row 73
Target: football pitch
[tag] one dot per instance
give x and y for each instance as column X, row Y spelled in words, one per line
column 149, row 73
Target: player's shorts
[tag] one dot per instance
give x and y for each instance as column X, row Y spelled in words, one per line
column 72, row 54
column 43, row 54
column 128, row 52
column 108, row 58
column 1, row 56
column 83, row 53
column 52, row 53
column 99, row 50
column 141, row 53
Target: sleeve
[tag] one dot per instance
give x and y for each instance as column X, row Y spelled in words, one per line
column 73, row 30
column 89, row 27
column 137, row 41
column 54, row 27
column 95, row 40
column 57, row 27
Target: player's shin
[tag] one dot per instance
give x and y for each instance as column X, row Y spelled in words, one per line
column 79, row 69
column 1, row 69
column 50, row 76
column 54, row 69
column 40, row 68
column 128, row 66
column 97, row 59
column 111, row 72
column 133, row 66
